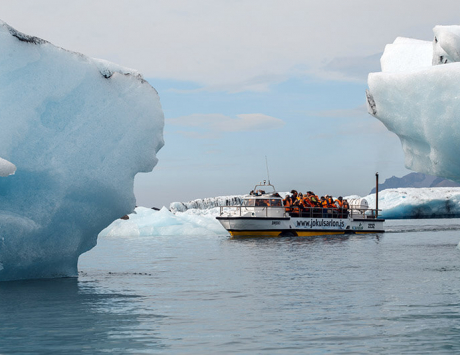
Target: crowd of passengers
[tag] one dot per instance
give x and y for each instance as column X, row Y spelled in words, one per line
column 297, row 203
column 309, row 200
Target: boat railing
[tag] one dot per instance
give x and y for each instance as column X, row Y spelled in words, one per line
column 365, row 213
column 297, row 211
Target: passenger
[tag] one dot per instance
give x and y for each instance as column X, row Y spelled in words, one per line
column 323, row 202
column 287, row 202
column 339, row 202
column 287, row 199
column 330, row 201
column 346, row 207
column 314, row 203
column 316, row 200
column 296, row 201
column 295, row 211
column 306, row 206
column 307, row 201
column 333, row 207
column 252, row 192
column 339, row 205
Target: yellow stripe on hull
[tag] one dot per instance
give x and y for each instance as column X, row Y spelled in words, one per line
column 277, row 233
column 314, row 234
column 254, row 234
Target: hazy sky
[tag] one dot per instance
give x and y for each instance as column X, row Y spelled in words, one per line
column 243, row 79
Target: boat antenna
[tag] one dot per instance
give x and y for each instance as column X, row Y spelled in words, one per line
column 268, row 172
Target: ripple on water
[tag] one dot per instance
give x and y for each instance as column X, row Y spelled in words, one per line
column 389, row 293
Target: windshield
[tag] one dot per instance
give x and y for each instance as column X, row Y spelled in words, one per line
column 275, row 202
column 249, row 203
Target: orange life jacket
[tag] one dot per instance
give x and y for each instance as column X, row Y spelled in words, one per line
column 308, row 203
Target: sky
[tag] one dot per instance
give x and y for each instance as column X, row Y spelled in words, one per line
column 245, row 82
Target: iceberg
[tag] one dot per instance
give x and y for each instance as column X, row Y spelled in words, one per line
column 148, row 222
column 417, row 96
column 406, row 203
column 77, row 130
column 192, row 218
column 206, row 203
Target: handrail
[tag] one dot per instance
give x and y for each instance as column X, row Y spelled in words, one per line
column 298, row 211
column 265, row 185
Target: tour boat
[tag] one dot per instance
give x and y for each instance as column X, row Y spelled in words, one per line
column 264, row 215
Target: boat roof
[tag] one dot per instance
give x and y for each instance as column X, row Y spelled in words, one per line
column 260, row 187
column 263, row 196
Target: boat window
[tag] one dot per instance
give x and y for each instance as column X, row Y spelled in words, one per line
column 275, row 202
column 249, row 203
column 262, row 203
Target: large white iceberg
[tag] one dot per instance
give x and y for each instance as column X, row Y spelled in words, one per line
column 78, row 130
column 429, row 202
column 417, row 96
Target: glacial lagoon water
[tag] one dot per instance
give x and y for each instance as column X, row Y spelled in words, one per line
column 392, row 293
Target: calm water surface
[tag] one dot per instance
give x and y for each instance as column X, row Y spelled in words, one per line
column 392, row 293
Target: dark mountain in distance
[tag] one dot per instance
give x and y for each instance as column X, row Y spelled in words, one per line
column 415, row 180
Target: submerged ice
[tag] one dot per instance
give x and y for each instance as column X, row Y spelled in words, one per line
column 417, row 96
column 74, row 131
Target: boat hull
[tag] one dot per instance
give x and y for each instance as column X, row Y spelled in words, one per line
column 298, row 226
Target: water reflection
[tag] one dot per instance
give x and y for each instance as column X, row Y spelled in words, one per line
column 67, row 315
column 290, row 240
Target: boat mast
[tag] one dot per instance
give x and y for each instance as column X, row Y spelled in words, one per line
column 377, row 195
column 268, row 173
